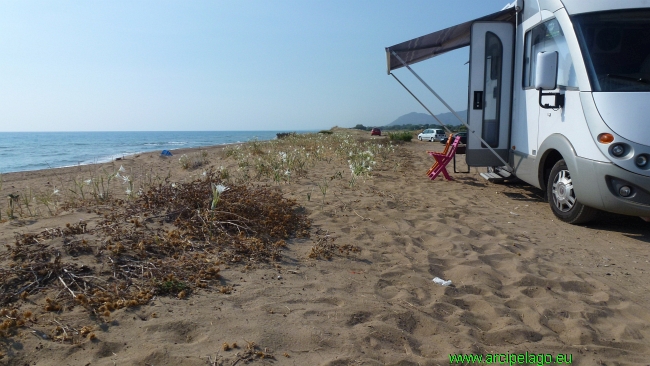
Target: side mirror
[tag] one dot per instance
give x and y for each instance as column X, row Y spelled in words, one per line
column 546, row 71
column 546, row 78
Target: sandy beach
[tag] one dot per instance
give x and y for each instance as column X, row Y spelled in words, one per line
column 348, row 283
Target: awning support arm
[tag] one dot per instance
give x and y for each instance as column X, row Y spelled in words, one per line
column 451, row 109
column 422, row 104
column 428, row 87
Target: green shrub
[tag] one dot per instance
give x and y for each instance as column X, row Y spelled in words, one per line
column 282, row 135
column 400, row 136
column 171, row 287
column 326, row 132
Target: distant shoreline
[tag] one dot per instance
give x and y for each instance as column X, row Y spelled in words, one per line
column 33, row 151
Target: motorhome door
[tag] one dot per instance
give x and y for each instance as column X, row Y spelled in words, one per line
column 490, row 92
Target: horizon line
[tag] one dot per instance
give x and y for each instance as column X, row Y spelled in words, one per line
column 162, row 131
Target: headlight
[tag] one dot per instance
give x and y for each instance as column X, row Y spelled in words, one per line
column 618, row 150
column 625, row 191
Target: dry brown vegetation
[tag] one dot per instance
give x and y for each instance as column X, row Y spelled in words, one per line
column 164, row 238
column 171, row 240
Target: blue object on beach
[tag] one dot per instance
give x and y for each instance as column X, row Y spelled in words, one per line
column 166, row 153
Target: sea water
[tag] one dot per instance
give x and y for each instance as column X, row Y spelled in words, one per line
column 22, row 151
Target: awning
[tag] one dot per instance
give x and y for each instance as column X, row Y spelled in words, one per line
column 437, row 43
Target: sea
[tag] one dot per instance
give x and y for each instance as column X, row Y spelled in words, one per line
column 24, row 151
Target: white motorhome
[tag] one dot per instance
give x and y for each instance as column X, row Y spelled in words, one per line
column 559, row 96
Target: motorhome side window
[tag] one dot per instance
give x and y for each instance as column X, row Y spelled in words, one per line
column 616, row 49
column 548, row 37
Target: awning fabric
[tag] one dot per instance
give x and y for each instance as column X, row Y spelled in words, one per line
column 437, row 43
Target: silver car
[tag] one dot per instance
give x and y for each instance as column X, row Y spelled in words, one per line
column 432, row 134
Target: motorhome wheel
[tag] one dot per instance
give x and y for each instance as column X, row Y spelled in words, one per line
column 562, row 197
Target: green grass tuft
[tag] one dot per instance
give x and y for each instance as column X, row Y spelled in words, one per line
column 171, row 287
column 400, row 136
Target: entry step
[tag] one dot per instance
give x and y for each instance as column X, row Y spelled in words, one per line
column 492, row 177
column 497, row 176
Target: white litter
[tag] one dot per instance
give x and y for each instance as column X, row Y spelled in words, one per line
column 441, row 282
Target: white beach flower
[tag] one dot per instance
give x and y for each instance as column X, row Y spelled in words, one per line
column 217, row 190
column 220, row 188
column 287, row 172
column 56, row 191
column 173, row 185
column 88, row 181
column 121, row 169
column 125, row 178
column 204, row 173
column 128, row 191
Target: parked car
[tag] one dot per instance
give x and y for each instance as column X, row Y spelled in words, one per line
column 431, row 134
column 463, row 138
column 375, row 132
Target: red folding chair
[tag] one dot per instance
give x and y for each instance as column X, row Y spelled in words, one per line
column 447, row 147
column 442, row 159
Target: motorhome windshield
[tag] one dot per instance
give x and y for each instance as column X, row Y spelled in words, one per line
column 616, row 48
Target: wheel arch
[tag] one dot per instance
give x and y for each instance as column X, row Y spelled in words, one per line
column 554, row 148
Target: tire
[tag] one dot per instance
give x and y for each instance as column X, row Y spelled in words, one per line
column 431, row 139
column 420, row 138
column 562, row 197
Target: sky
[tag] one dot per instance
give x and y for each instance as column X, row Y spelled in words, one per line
column 239, row 65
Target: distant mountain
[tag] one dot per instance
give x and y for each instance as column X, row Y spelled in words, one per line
column 415, row 118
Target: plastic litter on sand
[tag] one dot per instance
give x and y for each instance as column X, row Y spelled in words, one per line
column 441, row 282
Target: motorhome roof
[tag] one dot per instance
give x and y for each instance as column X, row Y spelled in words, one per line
column 581, row 6
column 578, row 6
column 458, row 36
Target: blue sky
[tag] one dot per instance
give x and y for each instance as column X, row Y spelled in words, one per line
column 220, row 65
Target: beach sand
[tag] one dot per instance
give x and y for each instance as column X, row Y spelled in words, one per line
column 523, row 282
